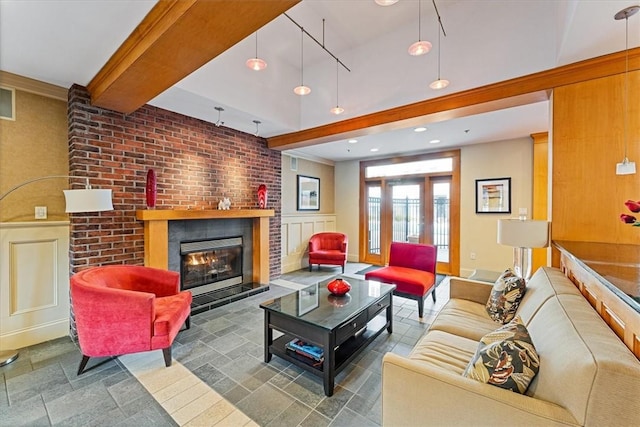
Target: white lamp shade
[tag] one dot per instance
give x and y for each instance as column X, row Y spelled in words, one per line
column 88, row 200
column 523, row 234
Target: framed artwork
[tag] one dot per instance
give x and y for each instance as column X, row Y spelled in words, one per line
column 308, row 193
column 493, row 195
column 308, row 299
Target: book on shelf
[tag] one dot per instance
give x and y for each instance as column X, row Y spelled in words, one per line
column 305, row 349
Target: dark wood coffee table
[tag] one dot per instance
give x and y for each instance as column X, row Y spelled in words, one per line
column 341, row 326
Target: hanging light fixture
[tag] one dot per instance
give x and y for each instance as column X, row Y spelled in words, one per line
column 302, row 89
column 257, row 122
column 440, row 83
column 626, row 167
column 256, row 63
column 219, row 110
column 420, row 47
column 337, row 109
column 386, row 2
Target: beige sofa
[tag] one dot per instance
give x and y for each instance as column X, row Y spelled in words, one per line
column 587, row 376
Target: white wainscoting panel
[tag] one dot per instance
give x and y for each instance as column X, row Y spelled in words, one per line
column 34, row 282
column 296, row 230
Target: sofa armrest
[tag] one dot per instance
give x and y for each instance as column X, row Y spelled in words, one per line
column 414, row 393
column 472, row 290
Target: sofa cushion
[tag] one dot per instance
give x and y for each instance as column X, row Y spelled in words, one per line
column 505, row 358
column 464, row 318
column 445, row 351
column 505, row 297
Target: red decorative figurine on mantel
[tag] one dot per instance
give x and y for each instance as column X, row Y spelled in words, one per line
column 262, row 196
column 151, row 189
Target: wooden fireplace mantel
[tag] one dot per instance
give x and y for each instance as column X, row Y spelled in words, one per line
column 156, row 235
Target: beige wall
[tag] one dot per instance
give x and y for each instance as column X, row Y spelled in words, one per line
column 32, row 146
column 348, row 204
column 513, row 158
column 309, row 168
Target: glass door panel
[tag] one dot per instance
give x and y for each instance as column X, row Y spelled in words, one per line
column 441, row 190
column 373, row 223
column 407, row 213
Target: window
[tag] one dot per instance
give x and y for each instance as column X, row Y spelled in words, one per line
column 444, row 164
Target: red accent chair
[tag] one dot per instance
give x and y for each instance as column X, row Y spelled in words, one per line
column 122, row 309
column 412, row 268
column 328, row 248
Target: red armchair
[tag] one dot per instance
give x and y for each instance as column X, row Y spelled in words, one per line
column 412, row 268
column 328, row 248
column 122, row 309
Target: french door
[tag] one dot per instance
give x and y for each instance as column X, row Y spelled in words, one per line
column 407, row 210
column 413, row 199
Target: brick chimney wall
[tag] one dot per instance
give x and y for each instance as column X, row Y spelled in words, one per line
column 196, row 164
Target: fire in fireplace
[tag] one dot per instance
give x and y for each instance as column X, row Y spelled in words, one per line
column 211, row 265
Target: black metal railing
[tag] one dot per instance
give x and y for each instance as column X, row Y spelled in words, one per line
column 407, row 222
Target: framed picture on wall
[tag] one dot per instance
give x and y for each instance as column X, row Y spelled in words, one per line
column 493, row 195
column 308, row 193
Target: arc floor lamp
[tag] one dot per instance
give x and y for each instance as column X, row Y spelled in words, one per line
column 80, row 200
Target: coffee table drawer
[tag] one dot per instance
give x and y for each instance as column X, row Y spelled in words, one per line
column 350, row 327
column 377, row 307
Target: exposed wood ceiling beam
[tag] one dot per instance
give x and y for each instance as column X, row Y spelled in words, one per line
column 176, row 38
column 506, row 94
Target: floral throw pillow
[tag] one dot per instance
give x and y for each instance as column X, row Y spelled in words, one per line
column 505, row 297
column 505, row 358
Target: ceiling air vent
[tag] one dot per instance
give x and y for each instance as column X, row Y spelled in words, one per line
column 7, row 103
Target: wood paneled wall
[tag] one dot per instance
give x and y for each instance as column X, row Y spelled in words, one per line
column 588, row 140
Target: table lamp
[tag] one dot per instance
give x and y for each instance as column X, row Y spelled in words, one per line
column 82, row 200
column 523, row 235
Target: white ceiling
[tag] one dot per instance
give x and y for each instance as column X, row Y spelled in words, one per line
column 67, row 41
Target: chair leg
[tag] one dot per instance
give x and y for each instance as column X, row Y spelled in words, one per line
column 420, row 307
column 310, row 266
column 188, row 321
column 83, row 364
column 167, row 356
column 433, row 295
column 342, row 268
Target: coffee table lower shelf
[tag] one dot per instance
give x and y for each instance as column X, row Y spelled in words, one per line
column 343, row 354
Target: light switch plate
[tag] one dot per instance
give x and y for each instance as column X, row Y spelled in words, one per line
column 41, row 212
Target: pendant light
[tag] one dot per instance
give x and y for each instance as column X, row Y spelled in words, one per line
column 626, row 167
column 420, row 47
column 440, row 83
column 302, row 89
column 337, row 109
column 256, row 63
column 386, row 2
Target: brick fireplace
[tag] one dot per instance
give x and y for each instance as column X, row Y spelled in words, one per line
column 196, row 164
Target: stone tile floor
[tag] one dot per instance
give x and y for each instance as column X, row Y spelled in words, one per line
column 218, row 363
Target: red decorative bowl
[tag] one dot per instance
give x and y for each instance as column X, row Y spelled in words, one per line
column 338, row 287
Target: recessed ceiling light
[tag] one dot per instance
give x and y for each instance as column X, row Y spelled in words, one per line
column 420, row 129
column 434, row 141
column 352, row 141
column 373, row 150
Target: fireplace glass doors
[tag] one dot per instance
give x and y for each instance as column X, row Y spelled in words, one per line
column 210, row 265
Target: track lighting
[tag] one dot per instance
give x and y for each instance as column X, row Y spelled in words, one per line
column 219, row 110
